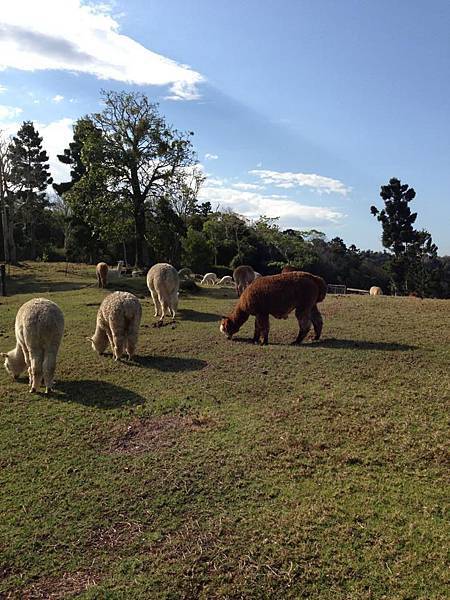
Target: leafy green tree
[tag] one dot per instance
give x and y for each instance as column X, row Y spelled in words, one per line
column 88, row 195
column 144, row 157
column 29, row 178
column 196, row 251
column 399, row 235
column 87, row 140
column 165, row 232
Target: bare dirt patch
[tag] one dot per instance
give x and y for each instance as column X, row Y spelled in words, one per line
column 115, row 536
column 65, row 586
column 143, row 435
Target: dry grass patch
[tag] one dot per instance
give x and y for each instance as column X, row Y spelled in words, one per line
column 152, row 434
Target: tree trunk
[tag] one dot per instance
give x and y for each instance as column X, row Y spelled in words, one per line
column 5, row 227
column 141, row 246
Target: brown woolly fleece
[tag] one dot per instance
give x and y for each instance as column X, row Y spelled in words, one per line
column 102, row 274
column 279, row 295
column 289, row 269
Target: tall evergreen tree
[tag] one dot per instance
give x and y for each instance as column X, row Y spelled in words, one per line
column 408, row 245
column 29, row 177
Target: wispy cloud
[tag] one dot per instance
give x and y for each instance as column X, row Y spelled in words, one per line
column 2, row 89
column 247, row 186
column 9, row 112
column 253, row 204
column 289, row 180
column 209, row 156
column 57, row 98
column 84, row 37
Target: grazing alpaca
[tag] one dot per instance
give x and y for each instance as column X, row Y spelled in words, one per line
column 375, row 291
column 39, row 329
column 209, row 278
column 278, row 295
column 226, row 280
column 118, row 320
column 185, row 273
column 102, row 274
column 243, row 277
column 163, row 282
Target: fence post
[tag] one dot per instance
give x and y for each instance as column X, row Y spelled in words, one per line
column 3, row 280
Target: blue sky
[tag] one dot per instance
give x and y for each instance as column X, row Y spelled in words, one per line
column 301, row 109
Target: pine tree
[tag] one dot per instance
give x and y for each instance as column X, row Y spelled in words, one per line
column 29, row 178
column 410, row 246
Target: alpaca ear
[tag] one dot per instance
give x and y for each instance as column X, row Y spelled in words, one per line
column 89, row 339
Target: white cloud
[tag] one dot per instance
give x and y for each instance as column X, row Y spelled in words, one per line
column 9, row 112
column 57, row 98
column 252, row 205
column 75, row 36
column 289, row 180
column 209, row 156
column 247, row 186
column 2, row 89
column 57, row 136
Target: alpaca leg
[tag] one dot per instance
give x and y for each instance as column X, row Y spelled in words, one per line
column 264, row 329
column 99, row 281
column 36, row 370
column 304, row 324
column 155, row 302
column 130, row 345
column 174, row 304
column 27, row 361
column 257, row 333
column 163, row 304
column 132, row 338
column 118, row 345
column 317, row 322
column 49, row 370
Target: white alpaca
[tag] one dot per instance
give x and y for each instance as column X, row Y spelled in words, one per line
column 120, row 268
column 39, row 328
column 163, row 282
column 227, row 280
column 375, row 291
column 209, row 278
column 118, row 320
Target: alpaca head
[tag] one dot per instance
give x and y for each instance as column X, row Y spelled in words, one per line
column 99, row 342
column 14, row 362
column 228, row 327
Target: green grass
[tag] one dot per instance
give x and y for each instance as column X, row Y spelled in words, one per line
column 217, row 469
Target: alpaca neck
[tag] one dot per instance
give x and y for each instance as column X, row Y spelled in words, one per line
column 238, row 317
column 17, row 359
column 100, row 339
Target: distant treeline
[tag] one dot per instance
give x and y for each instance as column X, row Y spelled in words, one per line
column 133, row 196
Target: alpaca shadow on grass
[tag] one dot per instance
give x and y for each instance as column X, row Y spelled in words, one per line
column 187, row 314
column 100, row 394
column 169, row 364
column 362, row 345
column 26, row 284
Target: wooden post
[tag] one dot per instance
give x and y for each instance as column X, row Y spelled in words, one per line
column 3, row 280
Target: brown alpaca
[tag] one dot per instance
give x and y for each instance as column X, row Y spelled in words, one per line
column 102, row 274
column 279, row 295
column 289, row 269
column 243, row 277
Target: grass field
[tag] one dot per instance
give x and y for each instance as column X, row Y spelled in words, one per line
column 217, row 469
